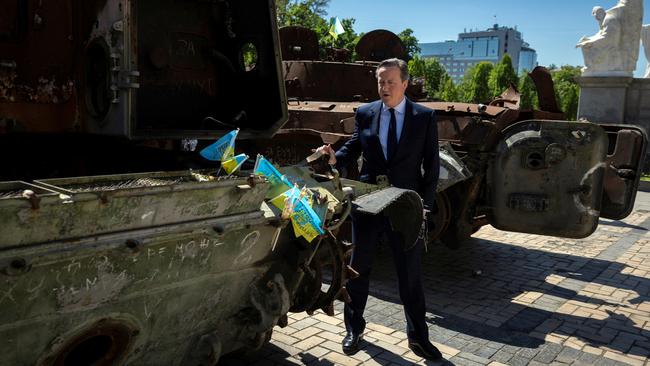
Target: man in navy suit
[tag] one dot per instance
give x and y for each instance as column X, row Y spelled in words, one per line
column 399, row 139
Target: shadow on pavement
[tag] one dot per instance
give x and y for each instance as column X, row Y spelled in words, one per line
column 483, row 305
column 621, row 224
column 271, row 354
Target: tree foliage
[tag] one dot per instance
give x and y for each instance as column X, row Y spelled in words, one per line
column 528, row 92
column 479, row 89
column 410, row 43
column 307, row 13
column 448, row 91
column 567, row 90
column 348, row 39
column 502, row 76
column 430, row 70
column 311, row 14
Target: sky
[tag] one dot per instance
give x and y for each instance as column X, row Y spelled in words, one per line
column 551, row 27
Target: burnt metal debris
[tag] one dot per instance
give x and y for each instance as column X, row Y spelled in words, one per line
column 118, row 244
column 519, row 170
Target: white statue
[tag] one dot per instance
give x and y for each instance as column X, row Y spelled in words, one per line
column 645, row 39
column 614, row 50
column 599, row 13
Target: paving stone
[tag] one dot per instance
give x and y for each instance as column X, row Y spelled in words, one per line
column 462, row 361
column 309, row 343
column 568, row 355
column 485, row 352
column 602, row 361
column 527, row 320
column 644, row 352
column 547, row 353
column 502, row 356
column 394, row 359
column 518, row 361
column 340, row 359
column 306, row 333
column 588, row 358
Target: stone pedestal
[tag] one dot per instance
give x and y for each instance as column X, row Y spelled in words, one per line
column 616, row 100
column 604, row 99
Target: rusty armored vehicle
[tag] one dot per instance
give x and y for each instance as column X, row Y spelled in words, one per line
column 118, row 243
column 527, row 171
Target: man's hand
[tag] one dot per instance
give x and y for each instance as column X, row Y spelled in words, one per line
column 324, row 150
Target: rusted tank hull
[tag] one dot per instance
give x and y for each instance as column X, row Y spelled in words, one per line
column 121, row 269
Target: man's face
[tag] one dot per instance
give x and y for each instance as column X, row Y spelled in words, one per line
column 391, row 86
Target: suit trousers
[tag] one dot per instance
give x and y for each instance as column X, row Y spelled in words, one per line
column 366, row 232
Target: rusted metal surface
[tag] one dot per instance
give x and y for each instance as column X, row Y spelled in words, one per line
column 508, row 99
column 141, row 69
column 380, row 44
column 169, row 267
column 298, row 43
column 330, row 81
column 545, row 91
column 37, row 58
column 474, row 130
column 547, row 177
column 623, row 169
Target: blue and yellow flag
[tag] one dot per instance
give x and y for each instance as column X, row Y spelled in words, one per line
column 279, row 183
column 233, row 163
column 336, row 28
column 295, row 205
column 305, row 221
column 222, row 149
column 287, row 201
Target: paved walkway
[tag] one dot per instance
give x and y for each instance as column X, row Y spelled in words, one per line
column 505, row 298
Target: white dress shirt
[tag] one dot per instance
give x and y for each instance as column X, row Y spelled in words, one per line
column 384, row 123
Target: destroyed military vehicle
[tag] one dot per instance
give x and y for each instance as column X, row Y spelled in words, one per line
column 119, row 244
column 527, row 171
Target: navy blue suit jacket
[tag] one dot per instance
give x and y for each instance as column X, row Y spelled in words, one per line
column 415, row 164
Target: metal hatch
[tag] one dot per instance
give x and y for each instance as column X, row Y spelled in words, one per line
column 142, row 69
column 200, row 59
column 625, row 155
column 547, row 178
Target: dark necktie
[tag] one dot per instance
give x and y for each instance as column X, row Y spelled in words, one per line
column 391, row 143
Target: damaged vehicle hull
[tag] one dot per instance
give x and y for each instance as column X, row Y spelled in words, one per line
column 519, row 170
column 103, row 264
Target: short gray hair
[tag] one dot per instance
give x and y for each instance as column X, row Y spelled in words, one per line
column 396, row 62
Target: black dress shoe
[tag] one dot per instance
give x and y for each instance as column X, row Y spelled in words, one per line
column 351, row 343
column 425, row 350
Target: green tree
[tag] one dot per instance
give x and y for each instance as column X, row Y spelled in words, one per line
column 430, row 70
column 311, row 14
column 308, row 13
column 464, row 88
column 528, row 92
column 448, row 91
column 479, row 91
column 502, row 75
column 567, row 90
column 410, row 43
column 347, row 39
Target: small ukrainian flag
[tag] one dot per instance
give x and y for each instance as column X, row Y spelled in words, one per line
column 279, row 183
column 336, row 28
column 222, row 149
column 232, row 164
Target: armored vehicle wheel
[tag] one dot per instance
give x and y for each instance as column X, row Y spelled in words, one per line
column 439, row 221
column 327, row 265
column 453, row 231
